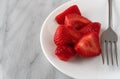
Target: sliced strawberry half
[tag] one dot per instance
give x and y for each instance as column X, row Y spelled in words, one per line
column 91, row 27
column 62, row 36
column 76, row 21
column 65, row 52
column 88, row 45
column 76, row 35
column 61, row 17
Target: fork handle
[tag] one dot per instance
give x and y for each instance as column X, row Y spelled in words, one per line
column 110, row 12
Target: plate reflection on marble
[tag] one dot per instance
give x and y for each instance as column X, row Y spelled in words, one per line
column 92, row 68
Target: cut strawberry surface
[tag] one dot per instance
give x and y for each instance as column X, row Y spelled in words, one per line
column 88, row 45
column 91, row 27
column 76, row 21
column 62, row 36
column 61, row 17
column 75, row 34
column 65, row 52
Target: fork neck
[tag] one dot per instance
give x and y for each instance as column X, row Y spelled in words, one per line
column 110, row 13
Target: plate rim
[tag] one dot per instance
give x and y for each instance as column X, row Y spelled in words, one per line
column 41, row 43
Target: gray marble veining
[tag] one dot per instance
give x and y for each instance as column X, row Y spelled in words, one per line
column 21, row 56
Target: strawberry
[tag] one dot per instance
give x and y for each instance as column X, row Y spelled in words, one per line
column 91, row 27
column 75, row 34
column 62, row 36
column 88, row 45
column 65, row 52
column 76, row 21
column 61, row 17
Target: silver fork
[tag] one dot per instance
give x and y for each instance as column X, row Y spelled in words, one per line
column 109, row 41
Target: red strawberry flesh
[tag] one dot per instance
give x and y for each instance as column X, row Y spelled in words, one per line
column 76, row 21
column 62, row 36
column 91, row 27
column 61, row 17
column 89, row 45
column 65, row 52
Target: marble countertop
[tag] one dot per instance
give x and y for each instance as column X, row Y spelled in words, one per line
column 21, row 56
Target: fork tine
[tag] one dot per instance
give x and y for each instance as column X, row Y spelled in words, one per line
column 106, row 46
column 116, row 53
column 111, row 50
column 103, row 45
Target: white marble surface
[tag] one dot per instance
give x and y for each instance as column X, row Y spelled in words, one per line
column 21, row 56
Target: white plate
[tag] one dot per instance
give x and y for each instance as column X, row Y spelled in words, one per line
column 95, row 10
